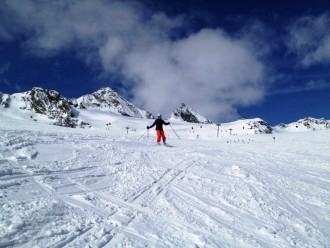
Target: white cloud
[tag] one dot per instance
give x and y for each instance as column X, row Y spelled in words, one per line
column 309, row 38
column 208, row 70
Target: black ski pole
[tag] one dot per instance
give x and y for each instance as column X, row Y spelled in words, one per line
column 143, row 134
column 175, row 132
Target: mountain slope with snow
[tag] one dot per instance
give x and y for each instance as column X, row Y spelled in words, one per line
column 186, row 113
column 106, row 99
column 102, row 187
column 306, row 124
column 49, row 106
column 40, row 105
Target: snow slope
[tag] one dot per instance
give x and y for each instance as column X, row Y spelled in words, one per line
column 303, row 125
column 106, row 99
column 102, row 187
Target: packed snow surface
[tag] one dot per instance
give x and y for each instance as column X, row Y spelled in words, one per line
column 102, row 187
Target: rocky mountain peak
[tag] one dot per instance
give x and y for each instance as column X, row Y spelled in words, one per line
column 186, row 113
column 51, row 104
column 307, row 123
column 260, row 125
column 105, row 99
column 39, row 101
column 4, row 100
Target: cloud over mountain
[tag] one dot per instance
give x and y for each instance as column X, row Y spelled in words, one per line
column 208, row 69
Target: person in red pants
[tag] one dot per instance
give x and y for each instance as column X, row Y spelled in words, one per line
column 159, row 122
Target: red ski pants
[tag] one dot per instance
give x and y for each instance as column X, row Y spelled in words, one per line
column 160, row 134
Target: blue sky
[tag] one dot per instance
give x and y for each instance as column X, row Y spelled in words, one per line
column 227, row 59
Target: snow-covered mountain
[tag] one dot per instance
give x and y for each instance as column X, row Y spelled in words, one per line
column 4, row 100
column 306, row 124
column 186, row 113
column 39, row 104
column 246, row 127
column 260, row 126
column 106, row 99
column 49, row 106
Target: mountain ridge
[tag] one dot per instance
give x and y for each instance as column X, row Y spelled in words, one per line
column 305, row 124
column 39, row 101
column 188, row 114
column 52, row 107
column 106, row 99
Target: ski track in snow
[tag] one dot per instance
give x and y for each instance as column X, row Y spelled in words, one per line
column 88, row 189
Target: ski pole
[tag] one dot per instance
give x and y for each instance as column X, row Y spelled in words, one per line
column 143, row 134
column 175, row 132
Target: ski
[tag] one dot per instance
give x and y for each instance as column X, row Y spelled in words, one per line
column 168, row 145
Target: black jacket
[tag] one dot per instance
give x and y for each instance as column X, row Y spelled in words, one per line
column 159, row 124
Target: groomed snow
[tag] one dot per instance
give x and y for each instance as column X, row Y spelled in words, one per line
column 62, row 187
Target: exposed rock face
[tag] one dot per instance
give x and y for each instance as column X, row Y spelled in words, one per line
column 261, row 126
column 4, row 100
column 310, row 122
column 51, row 104
column 185, row 113
column 106, row 99
column 282, row 125
column 63, row 111
column 306, row 124
column 148, row 115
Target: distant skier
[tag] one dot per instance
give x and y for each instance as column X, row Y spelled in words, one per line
column 159, row 122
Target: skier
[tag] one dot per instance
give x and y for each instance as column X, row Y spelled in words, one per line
column 159, row 122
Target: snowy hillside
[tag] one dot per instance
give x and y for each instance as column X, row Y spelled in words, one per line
column 104, row 187
column 306, row 124
column 48, row 106
column 40, row 105
column 106, row 99
column 186, row 113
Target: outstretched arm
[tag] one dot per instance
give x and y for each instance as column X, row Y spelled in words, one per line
column 152, row 125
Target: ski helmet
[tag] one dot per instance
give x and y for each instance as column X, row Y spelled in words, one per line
column 159, row 116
